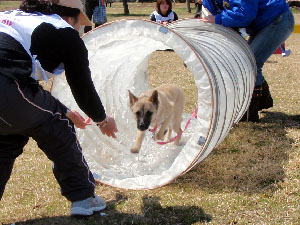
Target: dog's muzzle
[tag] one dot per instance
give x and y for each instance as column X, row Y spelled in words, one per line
column 143, row 126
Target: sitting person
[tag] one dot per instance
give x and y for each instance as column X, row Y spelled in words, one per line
column 163, row 13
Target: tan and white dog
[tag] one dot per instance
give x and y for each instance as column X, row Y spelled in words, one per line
column 163, row 107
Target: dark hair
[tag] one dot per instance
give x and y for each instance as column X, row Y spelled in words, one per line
column 46, row 7
column 65, row 11
column 158, row 3
column 33, row 6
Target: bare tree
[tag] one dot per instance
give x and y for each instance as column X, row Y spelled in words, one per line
column 126, row 9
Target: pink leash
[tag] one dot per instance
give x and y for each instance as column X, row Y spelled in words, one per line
column 178, row 135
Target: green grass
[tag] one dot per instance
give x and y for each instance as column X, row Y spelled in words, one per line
column 252, row 177
column 6, row 5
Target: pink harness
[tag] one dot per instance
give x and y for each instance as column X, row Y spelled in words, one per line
column 178, row 135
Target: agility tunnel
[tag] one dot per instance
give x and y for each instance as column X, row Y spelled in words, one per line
column 224, row 71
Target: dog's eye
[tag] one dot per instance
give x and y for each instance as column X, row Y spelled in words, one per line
column 149, row 113
column 138, row 113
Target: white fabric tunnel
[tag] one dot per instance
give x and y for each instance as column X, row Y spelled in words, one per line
column 224, row 71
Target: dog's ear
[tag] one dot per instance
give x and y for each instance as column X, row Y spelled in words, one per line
column 154, row 99
column 132, row 98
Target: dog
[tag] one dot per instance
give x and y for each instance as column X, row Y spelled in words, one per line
column 163, row 107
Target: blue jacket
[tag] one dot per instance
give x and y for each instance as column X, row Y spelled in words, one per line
column 251, row 14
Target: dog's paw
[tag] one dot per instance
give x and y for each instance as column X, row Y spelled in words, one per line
column 166, row 139
column 159, row 136
column 178, row 142
column 135, row 150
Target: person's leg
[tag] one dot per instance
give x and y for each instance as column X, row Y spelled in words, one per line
column 265, row 43
column 282, row 49
column 89, row 8
column 198, row 10
column 11, row 146
column 56, row 137
column 34, row 112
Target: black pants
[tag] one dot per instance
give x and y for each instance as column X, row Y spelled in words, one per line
column 30, row 111
column 198, row 8
column 89, row 7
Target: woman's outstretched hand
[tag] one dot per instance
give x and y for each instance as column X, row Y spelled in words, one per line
column 78, row 120
column 108, row 127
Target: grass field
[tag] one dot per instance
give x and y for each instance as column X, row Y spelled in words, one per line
column 252, row 177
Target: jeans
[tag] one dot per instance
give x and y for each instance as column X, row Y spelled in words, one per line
column 267, row 40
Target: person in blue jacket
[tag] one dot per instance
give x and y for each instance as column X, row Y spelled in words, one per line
column 269, row 23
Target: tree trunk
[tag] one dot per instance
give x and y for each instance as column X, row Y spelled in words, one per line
column 126, row 9
column 188, row 6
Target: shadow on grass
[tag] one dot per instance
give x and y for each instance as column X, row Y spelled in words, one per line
column 289, row 121
column 152, row 213
column 251, row 159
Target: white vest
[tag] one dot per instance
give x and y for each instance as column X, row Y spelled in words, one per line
column 20, row 26
column 159, row 18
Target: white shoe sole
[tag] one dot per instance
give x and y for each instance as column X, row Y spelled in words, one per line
column 78, row 211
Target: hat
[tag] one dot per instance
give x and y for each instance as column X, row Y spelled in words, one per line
column 77, row 4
